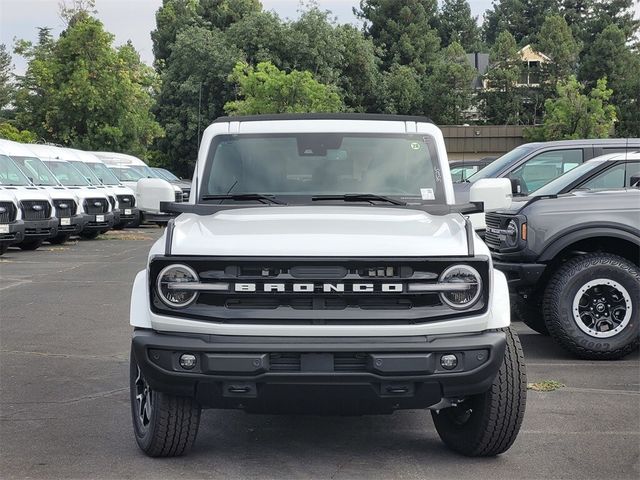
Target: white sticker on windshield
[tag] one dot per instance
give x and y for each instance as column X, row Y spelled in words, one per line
column 427, row 194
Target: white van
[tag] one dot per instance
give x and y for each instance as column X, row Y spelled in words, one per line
column 37, row 209
column 67, row 202
column 130, row 170
column 126, row 213
column 95, row 201
column 11, row 223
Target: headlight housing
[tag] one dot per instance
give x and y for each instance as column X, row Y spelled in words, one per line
column 168, row 286
column 512, row 233
column 470, row 283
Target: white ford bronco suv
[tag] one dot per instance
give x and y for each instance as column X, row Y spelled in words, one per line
column 322, row 266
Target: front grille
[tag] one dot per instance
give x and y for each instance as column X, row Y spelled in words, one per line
column 126, row 201
column 342, row 361
column 65, row 208
column 332, row 296
column 94, row 206
column 179, row 197
column 8, row 212
column 491, row 236
column 112, row 201
column 36, row 209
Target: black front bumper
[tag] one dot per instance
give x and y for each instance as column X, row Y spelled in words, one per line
column 15, row 233
column 40, row 229
column 71, row 225
column 127, row 216
column 521, row 276
column 319, row 375
column 160, row 218
column 94, row 222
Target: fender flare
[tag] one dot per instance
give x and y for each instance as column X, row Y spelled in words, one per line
column 562, row 240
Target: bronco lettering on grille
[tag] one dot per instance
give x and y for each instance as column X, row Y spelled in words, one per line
column 324, row 287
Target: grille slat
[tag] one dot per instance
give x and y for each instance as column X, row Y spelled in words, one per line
column 94, row 206
column 65, row 208
column 491, row 238
column 36, row 209
column 8, row 212
column 179, row 197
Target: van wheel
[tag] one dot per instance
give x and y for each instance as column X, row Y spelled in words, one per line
column 89, row 235
column 3, row 248
column 486, row 425
column 31, row 244
column 591, row 306
column 529, row 311
column 164, row 425
column 59, row 239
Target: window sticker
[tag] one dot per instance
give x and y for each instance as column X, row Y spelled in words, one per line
column 415, row 145
column 427, row 194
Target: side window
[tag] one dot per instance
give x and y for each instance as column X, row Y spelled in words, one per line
column 541, row 169
column 613, row 177
column 632, row 175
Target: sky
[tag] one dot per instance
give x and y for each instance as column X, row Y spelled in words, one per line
column 134, row 19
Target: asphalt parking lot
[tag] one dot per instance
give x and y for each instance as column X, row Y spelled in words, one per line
column 64, row 408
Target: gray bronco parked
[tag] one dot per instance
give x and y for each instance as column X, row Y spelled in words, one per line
column 572, row 264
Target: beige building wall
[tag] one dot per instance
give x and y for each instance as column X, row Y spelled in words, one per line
column 471, row 142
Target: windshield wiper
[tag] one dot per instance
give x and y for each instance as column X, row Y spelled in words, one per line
column 358, row 197
column 245, row 196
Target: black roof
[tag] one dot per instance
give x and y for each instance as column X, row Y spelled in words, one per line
column 325, row 116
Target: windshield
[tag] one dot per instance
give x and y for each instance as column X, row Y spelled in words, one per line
column 556, row 186
column 66, row 174
column 166, row 174
column 36, row 170
column 145, row 171
column 10, row 174
column 103, row 173
column 495, row 167
column 126, row 174
column 307, row 165
column 86, row 171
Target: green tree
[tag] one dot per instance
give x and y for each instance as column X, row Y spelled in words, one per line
column 82, row 92
column 262, row 37
column 449, row 88
column 521, row 18
column 456, row 24
column 266, row 89
column 405, row 29
column 556, row 41
column 9, row 132
column 576, row 115
column 7, row 89
column 403, row 91
column 172, row 17
column 224, row 13
column 197, row 69
column 502, row 101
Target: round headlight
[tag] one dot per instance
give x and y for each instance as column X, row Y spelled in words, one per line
column 469, row 282
column 512, row 233
column 168, row 285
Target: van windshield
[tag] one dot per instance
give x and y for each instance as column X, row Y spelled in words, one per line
column 495, row 167
column 126, row 174
column 86, row 171
column 35, row 169
column 10, row 174
column 66, row 174
column 103, row 173
column 307, row 166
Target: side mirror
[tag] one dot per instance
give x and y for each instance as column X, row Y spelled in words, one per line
column 151, row 191
column 495, row 193
column 516, row 186
column 635, row 180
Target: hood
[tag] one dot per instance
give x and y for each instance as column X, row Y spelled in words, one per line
column 60, row 193
column 28, row 193
column 319, row 231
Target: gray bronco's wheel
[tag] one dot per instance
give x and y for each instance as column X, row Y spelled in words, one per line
column 529, row 311
column 592, row 306
column 487, row 424
column 30, row 244
column 164, row 425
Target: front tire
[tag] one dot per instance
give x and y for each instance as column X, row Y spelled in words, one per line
column 59, row 239
column 591, row 306
column 164, row 425
column 89, row 235
column 487, row 424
